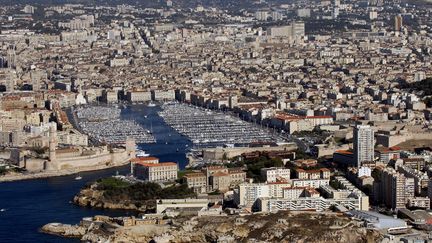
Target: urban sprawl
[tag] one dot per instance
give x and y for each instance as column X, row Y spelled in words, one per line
column 321, row 106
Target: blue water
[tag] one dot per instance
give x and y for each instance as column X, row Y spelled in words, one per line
column 31, row 204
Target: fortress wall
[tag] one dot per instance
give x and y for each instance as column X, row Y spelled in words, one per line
column 115, row 158
column 34, row 165
column 83, row 161
column 390, row 141
column 119, row 157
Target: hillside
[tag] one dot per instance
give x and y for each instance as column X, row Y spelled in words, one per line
column 117, row 194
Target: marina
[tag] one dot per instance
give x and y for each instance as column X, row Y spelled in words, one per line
column 33, row 203
column 207, row 128
column 104, row 125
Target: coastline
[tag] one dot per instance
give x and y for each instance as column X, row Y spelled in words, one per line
column 48, row 174
column 283, row 226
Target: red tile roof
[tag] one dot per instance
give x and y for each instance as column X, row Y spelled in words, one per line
column 157, row 165
column 344, row 152
column 143, row 159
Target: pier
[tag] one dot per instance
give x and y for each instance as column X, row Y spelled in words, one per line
column 105, row 125
column 207, row 128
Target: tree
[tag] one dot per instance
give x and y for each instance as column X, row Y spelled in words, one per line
column 224, row 157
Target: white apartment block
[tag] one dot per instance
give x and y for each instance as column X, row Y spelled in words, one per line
column 161, row 95
column 363, row 144
column 310, row 203
column 276, row 188
column 139, row 96
column 292, row 192
column 274, row 173
column 248, row 193
column 119, row 62
column 309, row 183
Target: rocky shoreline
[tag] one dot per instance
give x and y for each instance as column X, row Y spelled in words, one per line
column 284, row 226
column 64, row 230
column 280, row 227
column 90, row 197
column 122, row 193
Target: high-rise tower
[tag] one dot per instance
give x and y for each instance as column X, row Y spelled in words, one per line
column 363, row 144
column 398, row 23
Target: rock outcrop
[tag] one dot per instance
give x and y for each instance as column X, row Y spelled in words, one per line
column 88, row 197
column 279, row 227
column 65, row 230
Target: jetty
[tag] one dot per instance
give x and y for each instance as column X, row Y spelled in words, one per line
column 207, row 128
column 104, row 124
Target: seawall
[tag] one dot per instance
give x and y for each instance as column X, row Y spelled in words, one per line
column 47, row 174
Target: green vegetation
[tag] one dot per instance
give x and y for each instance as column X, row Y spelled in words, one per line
column 217, row 192
column 255, row 165
column 292, row 167
column 3, row 170
column 224, row 157
column 335, row 184
column 251, row 70
column 305, row 133
column 376, row 174
column 300, row 154
column 40, row 150
column 424, row 85
column 428, row 101
column 182, row 173
column 340, row 141
column 111, row 183
column 116, row 190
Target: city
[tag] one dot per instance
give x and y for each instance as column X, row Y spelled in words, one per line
column 216, row 121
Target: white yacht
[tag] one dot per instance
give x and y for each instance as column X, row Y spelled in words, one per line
column 141, row 153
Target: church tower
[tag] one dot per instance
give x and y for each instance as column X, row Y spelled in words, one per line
column 11, row 57
column 130, row 147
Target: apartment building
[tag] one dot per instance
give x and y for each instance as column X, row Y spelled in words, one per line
column 322, row 173
column 364, row 143
column 197, row 181
column 275, row 173
column 138, row 96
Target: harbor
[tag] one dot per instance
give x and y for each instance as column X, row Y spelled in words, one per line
column 104, row 124
column 207, row 128
column 38, row 201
